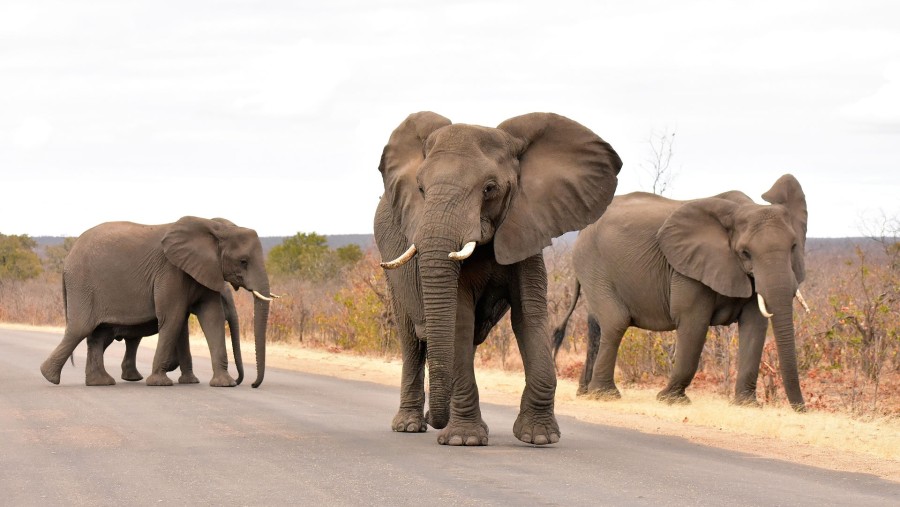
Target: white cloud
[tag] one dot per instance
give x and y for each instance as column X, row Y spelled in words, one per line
column 882, row 108
column 32, row 133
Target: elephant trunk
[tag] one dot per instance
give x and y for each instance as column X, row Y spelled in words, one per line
column 777, row 286
column 439, row 278
column 783, row 328
column 260, row 323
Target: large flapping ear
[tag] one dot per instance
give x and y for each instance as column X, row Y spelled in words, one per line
column 696, row 241
column 567, row 177
column 192, row 244
column 400, row 160
column 787, row 192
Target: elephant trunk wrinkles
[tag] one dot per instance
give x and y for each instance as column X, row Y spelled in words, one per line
column 440, row 278
column 783, row 328
column 260, row 323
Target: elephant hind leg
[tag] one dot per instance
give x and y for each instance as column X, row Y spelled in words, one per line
column 612, row 322
column 129, row 362
column 52, row 366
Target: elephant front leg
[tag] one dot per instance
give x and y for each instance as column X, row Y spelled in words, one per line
column 410, row 417
column 536, row 423
column 465, row 426
column 212, row 322
column 689, row 340
column 94, row 371
column 751, row 338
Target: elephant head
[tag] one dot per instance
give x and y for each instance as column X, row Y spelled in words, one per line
column 738, row 248
column 212, row 250
column 454, row 187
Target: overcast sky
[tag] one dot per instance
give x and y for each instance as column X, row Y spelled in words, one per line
column 274, row 114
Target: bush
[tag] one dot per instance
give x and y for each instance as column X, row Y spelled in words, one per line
column 18, row 261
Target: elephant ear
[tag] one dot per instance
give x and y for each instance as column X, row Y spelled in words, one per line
column 788, row 193
column 192, row 244
column 567, row 177
column 696, row 241
column 400, row 160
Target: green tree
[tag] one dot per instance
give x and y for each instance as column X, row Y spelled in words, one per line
column 56, row 255
column 349, row 255
column 18, row 261
column 305, row 255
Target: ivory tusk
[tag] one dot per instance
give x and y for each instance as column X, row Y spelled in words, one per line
column 464, row 253
column 762, row 306
column 260, row 296
column 274, row 296
column 802, row 301
column 403, row 259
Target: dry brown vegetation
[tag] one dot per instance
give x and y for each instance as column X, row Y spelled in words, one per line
column 848, row 344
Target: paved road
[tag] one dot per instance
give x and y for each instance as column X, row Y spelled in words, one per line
column 315, row 440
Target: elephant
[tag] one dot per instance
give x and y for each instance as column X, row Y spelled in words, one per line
column 662, row 264
column 449, row 188
column 123, row 277
column 132, row 336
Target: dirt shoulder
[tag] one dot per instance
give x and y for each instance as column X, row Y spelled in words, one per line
column 825, row 440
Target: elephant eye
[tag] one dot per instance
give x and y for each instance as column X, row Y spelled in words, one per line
column 422, row 190
column 745, row 255
column 490, row 190
column 244, row 263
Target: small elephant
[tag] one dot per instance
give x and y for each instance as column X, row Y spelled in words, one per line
column 449, row 188
column 132, row 336
column 132, row 278
column 662, row 265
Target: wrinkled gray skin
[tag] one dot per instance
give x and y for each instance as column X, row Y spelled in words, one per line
column 132, row 336
column 510, row 189
column 133, row 278
column 663, row 265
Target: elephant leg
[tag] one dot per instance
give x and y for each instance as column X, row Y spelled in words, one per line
column 465, row 426
column 163, row 359
column 602, row 385
column 212, row 322
column 689, row 341
column 536, row 422
column 751, row 338
column 185, row 361
column 410, row 417
column 593, row 346
column 94, row 371
column 129, row 362
column 52, row 366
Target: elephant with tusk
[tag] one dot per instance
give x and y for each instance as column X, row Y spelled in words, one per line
column 132, row 278
column 465, row 214
column 662, row 265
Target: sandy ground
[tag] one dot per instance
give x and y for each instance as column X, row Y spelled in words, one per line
column 823, row 440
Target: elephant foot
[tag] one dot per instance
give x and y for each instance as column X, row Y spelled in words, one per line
column 131, row 375
column 536, row 428
column 799, row 407
column 188, row 378
column 222, row 379
column 100, row 379
column 409, row 421
column 603, row 393
column 49, row 373
column 676, row 397
column 159, row 379
column 464, row 433
column 746, row 400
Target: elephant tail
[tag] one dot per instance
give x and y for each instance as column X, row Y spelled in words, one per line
column 559, row 333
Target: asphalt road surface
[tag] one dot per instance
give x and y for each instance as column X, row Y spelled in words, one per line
column 304, row 439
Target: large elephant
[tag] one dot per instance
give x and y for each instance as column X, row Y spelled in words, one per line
column 508, row 190
column 662, row 265
column 132, row 336
column 131, row 276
